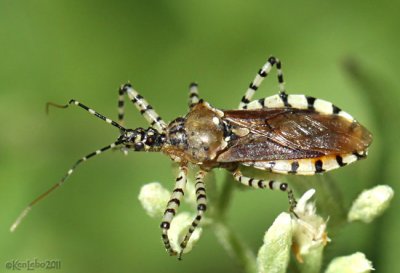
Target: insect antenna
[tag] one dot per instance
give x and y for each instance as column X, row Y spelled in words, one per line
column 71, row 170
column 48, row 104
column 60, row 183
column 91, row 111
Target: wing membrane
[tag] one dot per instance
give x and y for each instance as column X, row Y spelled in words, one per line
column 287, row 133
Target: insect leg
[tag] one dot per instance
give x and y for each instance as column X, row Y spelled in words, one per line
column 193, row 94
column 172, row 207
column 121, row 106
column 262, row 184
column 60, row 183
column 201, row 207
column 91, row 111
column 281, row 82
column 144, row 107
column 262, row 73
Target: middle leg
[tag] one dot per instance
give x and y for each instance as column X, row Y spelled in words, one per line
column 172, row 207
column 201, row 200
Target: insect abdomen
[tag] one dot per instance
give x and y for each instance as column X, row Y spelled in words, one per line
column 300, row 102
column 308, row 166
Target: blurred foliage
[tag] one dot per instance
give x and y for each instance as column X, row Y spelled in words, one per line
column 341, row 51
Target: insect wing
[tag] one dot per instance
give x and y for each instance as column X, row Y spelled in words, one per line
column 288, row 133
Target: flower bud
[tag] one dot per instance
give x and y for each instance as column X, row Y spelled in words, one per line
column 371, row 203
column 154, row 198
column 274, row 255
column 355, row 263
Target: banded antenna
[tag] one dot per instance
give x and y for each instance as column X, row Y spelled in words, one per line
column 71, row 170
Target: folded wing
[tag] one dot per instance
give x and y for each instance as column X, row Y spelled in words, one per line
column 288, row 133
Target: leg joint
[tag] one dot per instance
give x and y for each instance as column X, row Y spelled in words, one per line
column 283, row 187
column 124, row 88
column 165, row 225
column 272, row 60
column 202, row 207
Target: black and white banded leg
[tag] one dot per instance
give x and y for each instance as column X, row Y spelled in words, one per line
column 193, row 94
column 270, row 184
column 142, row 105
column 61, row 182
column 201, row 200
column 121, row 106
column 262, row 73
column 172, row 207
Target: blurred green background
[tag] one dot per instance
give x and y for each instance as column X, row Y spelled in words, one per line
column 58, row 50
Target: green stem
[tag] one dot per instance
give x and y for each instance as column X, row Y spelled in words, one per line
column 235, row 247
column 225, row 196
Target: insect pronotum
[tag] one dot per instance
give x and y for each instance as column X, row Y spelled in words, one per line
column 289, row 134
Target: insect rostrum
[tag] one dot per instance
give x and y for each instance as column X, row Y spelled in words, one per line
column 290, row 134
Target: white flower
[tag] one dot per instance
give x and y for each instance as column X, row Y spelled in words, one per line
column 306, row 235
column 154, row 198
column 371, row 203
column 309, row 230
column 355, row 263
column 273, row 256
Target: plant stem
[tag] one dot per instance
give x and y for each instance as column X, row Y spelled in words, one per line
column 235, row 247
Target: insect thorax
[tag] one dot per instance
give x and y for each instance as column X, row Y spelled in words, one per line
column 197, row 137
column 140, row 139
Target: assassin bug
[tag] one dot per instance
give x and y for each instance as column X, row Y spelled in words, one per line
column 289, row 134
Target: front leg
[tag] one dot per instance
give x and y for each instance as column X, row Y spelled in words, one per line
column 172, row 207
column 142, row 105
column 193, row 94
column 201, row 200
